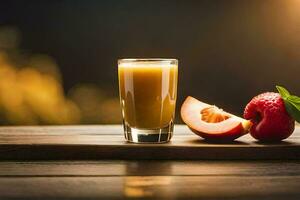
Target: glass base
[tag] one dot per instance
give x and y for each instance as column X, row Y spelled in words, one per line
column 137, row 135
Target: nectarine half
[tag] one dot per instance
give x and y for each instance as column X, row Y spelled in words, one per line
column 212, row 123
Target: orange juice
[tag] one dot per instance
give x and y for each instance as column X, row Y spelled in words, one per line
column 148, row 90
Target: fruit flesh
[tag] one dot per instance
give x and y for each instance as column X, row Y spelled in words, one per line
column 214, row 124
column 213, row 114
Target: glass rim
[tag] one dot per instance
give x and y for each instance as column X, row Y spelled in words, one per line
column 129, row 60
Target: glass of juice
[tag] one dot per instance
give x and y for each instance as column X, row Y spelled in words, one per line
column 148, row 90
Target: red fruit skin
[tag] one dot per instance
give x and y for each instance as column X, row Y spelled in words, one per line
column 271, row 122
column 224, row 137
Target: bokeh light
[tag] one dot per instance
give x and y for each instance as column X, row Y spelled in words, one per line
column 31, row 91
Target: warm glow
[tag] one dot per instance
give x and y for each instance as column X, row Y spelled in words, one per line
column 32, row 93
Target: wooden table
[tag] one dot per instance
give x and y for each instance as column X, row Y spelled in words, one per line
column 94, row 162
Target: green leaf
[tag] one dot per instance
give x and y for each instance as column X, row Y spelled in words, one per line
column 284, row 93
column 294, row 99
column 292, row 110
column 296, row 105
column 291, row 102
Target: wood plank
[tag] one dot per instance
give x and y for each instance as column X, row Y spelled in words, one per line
column 117, row 179
column 90, row 130
column 148, row 168
column 107, row 142
column 155, row 187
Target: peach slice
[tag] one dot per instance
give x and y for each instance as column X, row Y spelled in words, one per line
column 212, row 123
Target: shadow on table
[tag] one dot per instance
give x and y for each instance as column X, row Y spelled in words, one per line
column 237, row 142
column 275, row 143
column 203, row 141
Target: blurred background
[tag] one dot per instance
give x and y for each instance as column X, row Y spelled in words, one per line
column 58, row 58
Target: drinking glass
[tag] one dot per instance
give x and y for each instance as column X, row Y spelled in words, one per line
column 148, row 91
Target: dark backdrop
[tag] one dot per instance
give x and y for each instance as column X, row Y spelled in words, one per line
column 228, row 51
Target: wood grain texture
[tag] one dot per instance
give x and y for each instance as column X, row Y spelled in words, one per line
column 148, row 168
column 150, row 180
column 154, row 187
column 107, row 142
